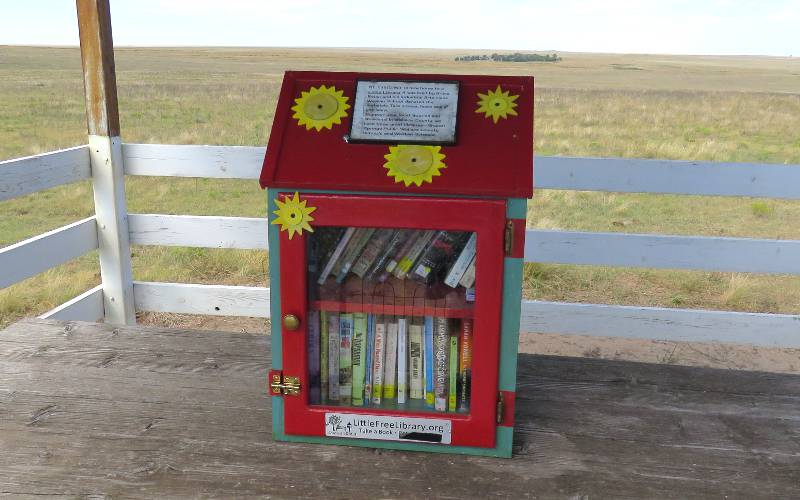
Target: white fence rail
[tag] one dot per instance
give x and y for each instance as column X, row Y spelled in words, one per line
column 40, row 253
column 23, row 176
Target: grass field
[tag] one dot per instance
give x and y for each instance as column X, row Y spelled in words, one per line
column 672, row 107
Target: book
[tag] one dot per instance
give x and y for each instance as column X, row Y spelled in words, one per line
column 439, row 255
column 369, row 348
column 441, row 351
column 427, row 352
column 391, row 264
column 390, row 360
column 357, row 244
column 465, row 364
column 387, row 252
column 312, row 348
column 402, row 373
column 410, row 258
column 359, row 354
column 462, row 262
column 452, row 373
column 333, row 356
column 370, row 253
column 323, row 355
column 378, row 357
column 345, row 357
column 415, row 361
column 469, row 275
column 335, row 255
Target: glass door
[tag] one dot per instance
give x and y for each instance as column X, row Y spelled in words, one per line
column 399, row 306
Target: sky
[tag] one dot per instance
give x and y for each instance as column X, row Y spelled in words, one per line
column 726, row 27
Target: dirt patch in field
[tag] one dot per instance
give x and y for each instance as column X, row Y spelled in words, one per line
column 711, row 355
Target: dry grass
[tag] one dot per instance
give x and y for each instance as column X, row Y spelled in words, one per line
column 713, row 108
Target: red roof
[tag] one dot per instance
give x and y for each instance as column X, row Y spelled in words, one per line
column 488, row 158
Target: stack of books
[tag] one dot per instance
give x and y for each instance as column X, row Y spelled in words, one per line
column 427, row 256
column 361, row 359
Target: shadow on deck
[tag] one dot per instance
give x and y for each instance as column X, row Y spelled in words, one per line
column 89, row 409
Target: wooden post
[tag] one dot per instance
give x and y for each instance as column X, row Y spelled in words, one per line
column 105, row 152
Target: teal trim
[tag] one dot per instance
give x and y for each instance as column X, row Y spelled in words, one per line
column 275, row 308
column 274, row 282
column 517, row 208
column 502, row 449
column 509, row 330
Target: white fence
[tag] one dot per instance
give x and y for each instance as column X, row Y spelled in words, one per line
column 24, row 259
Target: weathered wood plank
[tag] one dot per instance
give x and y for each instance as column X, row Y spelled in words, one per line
column 158, row 421
column 35, row 255
column 658, row 323
column 217, row 300
column 87, row 306
column 745, row 255
column 22, row 176
column 633, row 175
column 198, row 231
column 222, row 162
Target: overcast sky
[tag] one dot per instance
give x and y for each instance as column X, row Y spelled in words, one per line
column 768, row 27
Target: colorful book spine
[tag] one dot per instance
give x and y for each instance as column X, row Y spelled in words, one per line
column 402, row 250
column 462, row 262
column 313, row 350
column 469, row 275
column 336, row 255
column 370, row 348
column 371, row 251
column 345, row 357
column 359, row 357
column 439, row 255
column 390, row 361
column 392, row 247
column 357, row 244
column 402, row 360
column 378, row 358
column 452, row 374
column 465, row 364
column 323, row 355
column 407, row 262
column 333, row 357
column 441, row 351
column 427, row 351
column 415, row 361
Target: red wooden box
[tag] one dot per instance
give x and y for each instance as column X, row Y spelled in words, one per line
column 342, row 197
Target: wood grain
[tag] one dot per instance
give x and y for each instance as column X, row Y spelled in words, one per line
column 198, row 231
column 22, row 176
column 40, row 253
column 657, row 251
column 90, row 409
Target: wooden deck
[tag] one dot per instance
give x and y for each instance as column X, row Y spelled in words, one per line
column 88, row 409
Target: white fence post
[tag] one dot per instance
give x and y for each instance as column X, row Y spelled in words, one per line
column 105, row 152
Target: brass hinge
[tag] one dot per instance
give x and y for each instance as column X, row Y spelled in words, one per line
column 283, row 385
column 508, row 240
column 500, row 407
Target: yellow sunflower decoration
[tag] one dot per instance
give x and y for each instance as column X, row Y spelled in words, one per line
column 293, row 215
column 413, row 164
column 497, row 104
column 320, row 108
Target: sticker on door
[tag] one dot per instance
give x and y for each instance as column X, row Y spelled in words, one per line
column 419, row 430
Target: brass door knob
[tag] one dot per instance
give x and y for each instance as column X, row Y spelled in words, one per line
column 291, row 322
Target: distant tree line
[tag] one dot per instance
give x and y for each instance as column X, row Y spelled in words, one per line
column 515, row 57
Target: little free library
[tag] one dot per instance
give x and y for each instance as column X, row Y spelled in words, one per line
column 397, row 227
